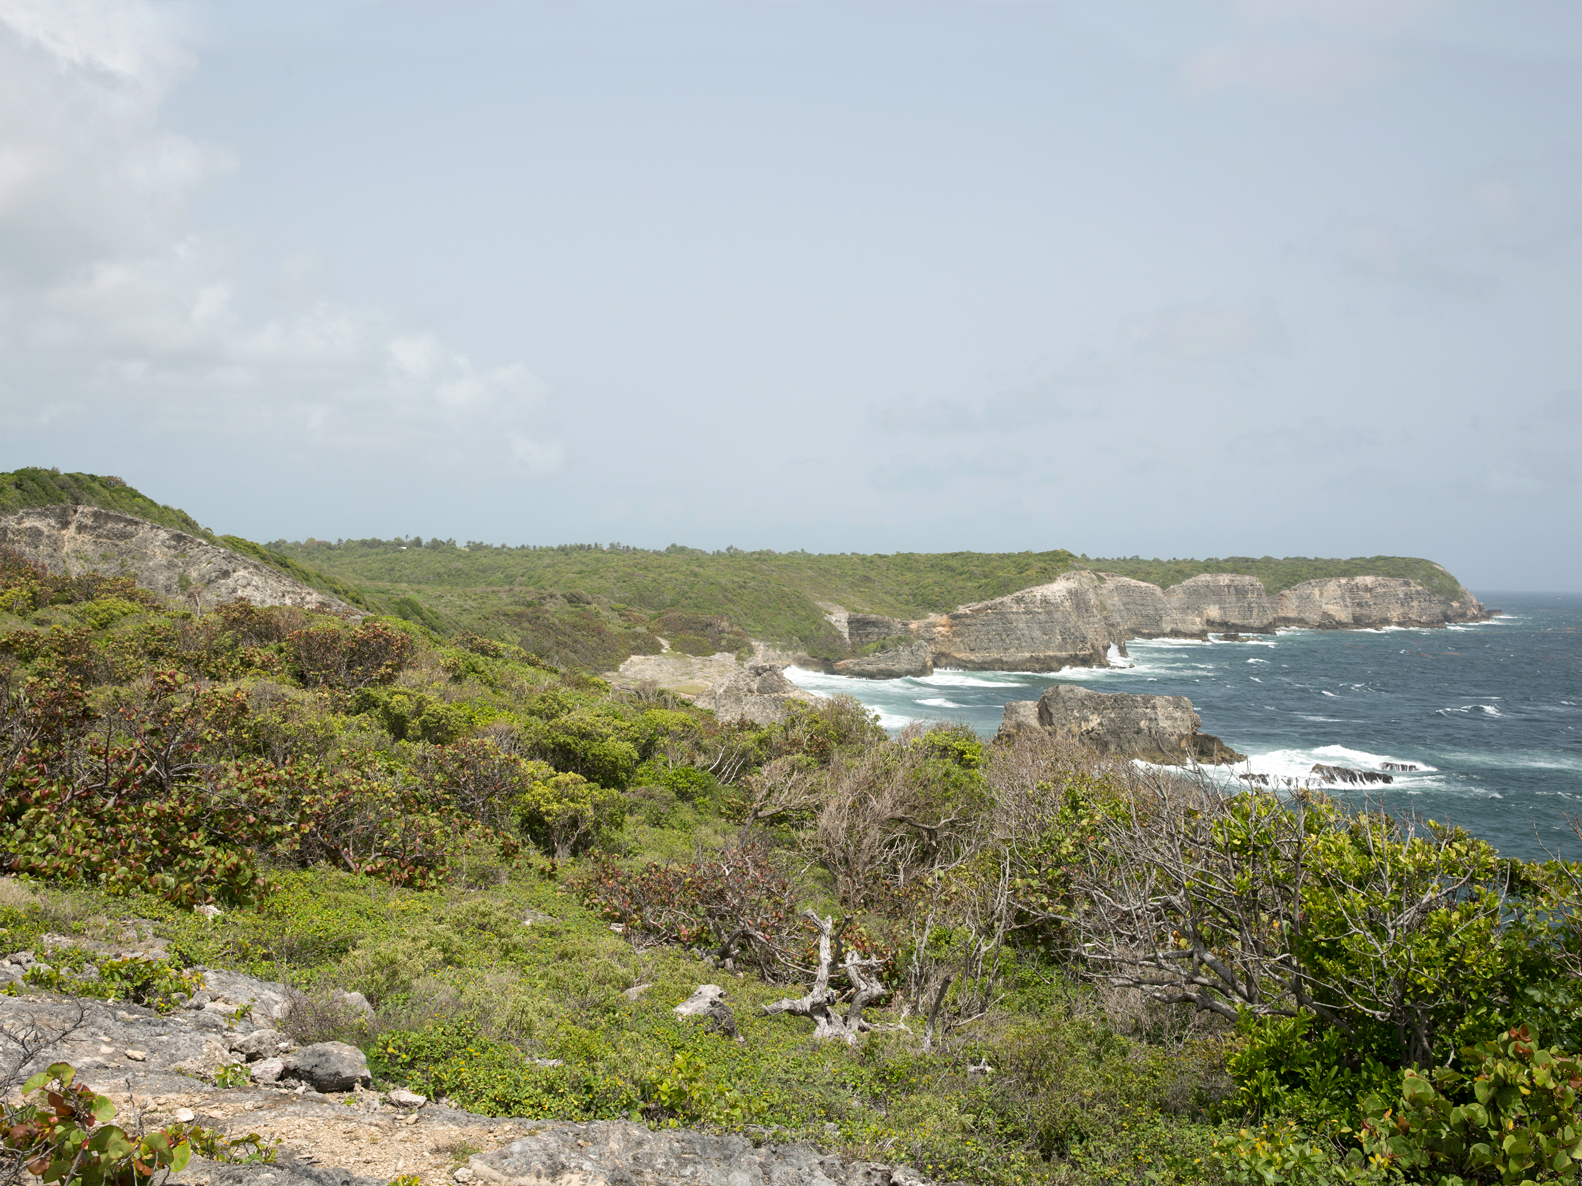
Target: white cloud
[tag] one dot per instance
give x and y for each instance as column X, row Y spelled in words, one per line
column 1313, row 70
column 109, row 301
column 1372, row 15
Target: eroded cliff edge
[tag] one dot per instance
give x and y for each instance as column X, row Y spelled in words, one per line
column 1074, row 620
column 174, row 564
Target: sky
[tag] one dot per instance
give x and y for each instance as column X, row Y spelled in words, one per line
column 1178, row 278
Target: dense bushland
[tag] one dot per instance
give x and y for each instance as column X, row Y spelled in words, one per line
column 1038, row 965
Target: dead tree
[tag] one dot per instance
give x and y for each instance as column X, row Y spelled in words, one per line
column 821, row 1001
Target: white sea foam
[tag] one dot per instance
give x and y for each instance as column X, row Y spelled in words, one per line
column 1540, row 760
column 1321, row 692
column 941, row 702
column 894, row 720
column 1296, row 766
column 1257, row 660
column 1467, row 710
column 950, row 677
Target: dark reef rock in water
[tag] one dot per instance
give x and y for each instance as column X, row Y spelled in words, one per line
column 1403, row 767
column 1346, row 774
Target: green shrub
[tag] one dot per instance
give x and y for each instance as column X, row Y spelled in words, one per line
column 158, row 984
column 454, row 1059
column 1517, row 1121
column 566, row 813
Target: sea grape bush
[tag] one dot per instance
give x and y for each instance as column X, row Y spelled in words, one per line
column 61, row 1135
column 146, row 748
column 1509, row 1115
column 739, row 904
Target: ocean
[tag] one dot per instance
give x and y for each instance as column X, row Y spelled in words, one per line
column 1490, row 713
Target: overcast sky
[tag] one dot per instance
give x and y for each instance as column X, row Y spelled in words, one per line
column 1296, row 277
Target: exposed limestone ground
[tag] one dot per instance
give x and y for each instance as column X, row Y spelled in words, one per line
column 689, row 675
column 160, row 1069
column 79, row 539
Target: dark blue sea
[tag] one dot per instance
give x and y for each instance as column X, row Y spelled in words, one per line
column 1491, row 714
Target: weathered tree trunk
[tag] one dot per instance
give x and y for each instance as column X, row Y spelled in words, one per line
column 819, row 1003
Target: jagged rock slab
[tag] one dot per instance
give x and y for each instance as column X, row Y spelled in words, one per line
column 620, row 1153
column 862, row 629
column 80, row 539
column 758, row 692
column 1159, row 729
column 912, row 659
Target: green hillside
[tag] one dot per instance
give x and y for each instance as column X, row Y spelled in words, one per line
column 33, row 487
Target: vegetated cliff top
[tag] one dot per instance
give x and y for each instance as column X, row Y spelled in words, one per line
column 771, row 595
column 1278, row 573
column 35, row 487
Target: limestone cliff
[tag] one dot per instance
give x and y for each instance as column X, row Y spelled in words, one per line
column 1074, row 620
column 175, row 565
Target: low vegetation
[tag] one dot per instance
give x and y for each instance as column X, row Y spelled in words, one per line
column 1034, row 965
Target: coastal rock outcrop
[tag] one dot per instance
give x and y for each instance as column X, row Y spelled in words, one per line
column 1159, row 729
column 1073, row 620
column 759, row 692
column 913, row 658
column 174, row 564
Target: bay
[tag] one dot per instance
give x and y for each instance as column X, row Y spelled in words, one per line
column 1490, row 712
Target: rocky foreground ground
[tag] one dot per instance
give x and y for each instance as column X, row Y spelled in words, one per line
column 316, row 1105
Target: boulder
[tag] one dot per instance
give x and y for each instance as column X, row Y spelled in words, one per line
column 707, row 1003
column 267, row 1000
column 328, row 1066
column 267, row 1070
column 611, row 1152
column 913, row 658
column 1018, row 715
column 260, row 1044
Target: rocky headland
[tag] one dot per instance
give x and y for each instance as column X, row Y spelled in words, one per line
column 1161, row 729
column 174, row 564
column 1073, row 621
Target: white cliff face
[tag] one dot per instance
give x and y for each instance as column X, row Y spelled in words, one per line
column 1045, row 628
column 178, row 566
column 1072, row 621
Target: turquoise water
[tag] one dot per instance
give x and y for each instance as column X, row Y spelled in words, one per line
column 1491, row 713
